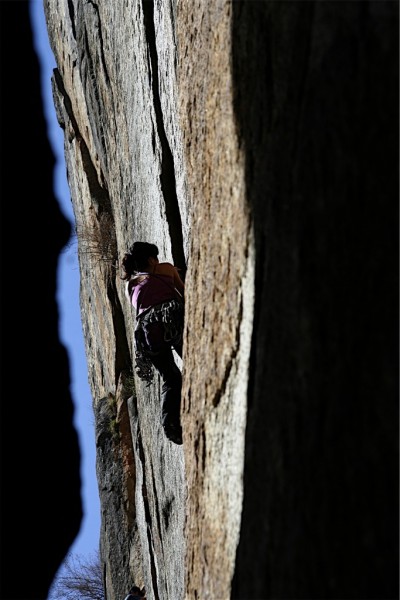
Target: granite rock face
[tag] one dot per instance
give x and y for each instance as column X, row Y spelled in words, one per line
column 251, row 142
column 126, row 176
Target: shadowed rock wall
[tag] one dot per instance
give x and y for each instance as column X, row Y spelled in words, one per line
column 317, row 108
column 41, row 507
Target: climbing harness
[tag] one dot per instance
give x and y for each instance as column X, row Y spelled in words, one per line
column 170, row 314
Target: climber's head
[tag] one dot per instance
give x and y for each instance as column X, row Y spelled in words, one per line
column 137, row 593
column 140, row 257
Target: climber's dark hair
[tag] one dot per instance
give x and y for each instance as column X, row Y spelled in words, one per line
column 136, row 592
column 136, row 259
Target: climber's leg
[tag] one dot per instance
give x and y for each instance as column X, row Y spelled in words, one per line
column 171, row 393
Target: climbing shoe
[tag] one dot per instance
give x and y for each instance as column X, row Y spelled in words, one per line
column 173, row 432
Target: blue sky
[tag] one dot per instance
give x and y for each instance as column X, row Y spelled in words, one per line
column 68, row 301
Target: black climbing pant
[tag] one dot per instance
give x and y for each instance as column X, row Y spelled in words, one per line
column 154, row 345
column 171, row 385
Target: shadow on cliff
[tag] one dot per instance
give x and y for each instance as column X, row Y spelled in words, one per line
column 316, row 92
column 40, row 481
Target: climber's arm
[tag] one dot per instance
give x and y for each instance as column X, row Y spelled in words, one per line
column 172, row 271
column 180, row 286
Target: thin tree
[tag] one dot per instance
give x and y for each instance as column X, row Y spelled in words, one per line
column 81, row 578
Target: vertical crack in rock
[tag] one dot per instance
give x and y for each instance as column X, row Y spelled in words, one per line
column 167, row 508
column 172, row 9
column 204, row 449
column 123, row 360
column 148, row 519
column 167, row 177
column 157, row 507
column 71, row 10
column 98, row 193
column 103, row 60
column 92, row 74
column 102, row 204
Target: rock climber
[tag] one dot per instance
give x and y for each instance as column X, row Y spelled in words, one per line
column 135, row 593
column 156, row 291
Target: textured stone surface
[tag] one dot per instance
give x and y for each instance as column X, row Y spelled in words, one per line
column 245, row 139
column 125, row 172
column 219, row 298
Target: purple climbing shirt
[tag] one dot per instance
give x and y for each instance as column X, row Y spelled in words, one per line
column 153, row 290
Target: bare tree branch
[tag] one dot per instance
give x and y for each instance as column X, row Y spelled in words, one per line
column 81, row 579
